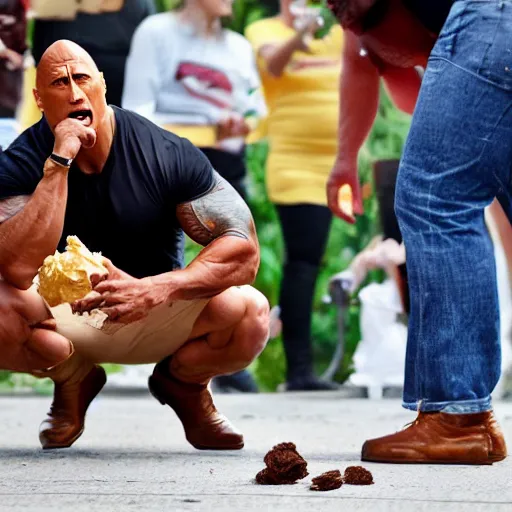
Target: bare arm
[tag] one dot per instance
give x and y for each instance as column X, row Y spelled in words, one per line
column 277, row 57
column 30, row 232
column 11, row 206
column 359, row 100
column 403, row 85
column 222, row 222
column 31, row 227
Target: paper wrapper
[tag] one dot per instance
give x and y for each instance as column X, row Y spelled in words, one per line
column 66, row 277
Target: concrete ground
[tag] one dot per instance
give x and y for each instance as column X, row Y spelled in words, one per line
column 133, row 456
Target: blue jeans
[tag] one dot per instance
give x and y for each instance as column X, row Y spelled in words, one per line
column 457, row 159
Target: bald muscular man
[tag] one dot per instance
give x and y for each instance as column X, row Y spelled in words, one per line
column 457, row 160
column 128, row 189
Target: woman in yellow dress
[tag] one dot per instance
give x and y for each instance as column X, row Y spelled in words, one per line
column 300, row 76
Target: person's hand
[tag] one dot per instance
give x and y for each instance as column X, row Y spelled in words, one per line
column 344, row 174
column 70, row 136
column 232, row 126
column 306, row 28
column 121, row 297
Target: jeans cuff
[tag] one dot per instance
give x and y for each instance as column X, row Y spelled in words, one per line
column 456, row 407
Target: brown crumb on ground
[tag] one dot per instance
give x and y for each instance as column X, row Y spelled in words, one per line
column 284, row 466
column 357, row 475
column 327, row 481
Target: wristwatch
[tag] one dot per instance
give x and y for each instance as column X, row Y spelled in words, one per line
column 66, row 162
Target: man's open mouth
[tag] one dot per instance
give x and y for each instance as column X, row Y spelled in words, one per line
column 84, row 116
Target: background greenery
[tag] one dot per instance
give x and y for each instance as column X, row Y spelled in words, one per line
column 345, row 241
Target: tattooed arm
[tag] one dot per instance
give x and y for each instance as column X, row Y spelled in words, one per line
column 11, row 206
column 31, row 226
column 223, row 224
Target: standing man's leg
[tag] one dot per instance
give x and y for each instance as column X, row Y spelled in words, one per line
column 458, row 157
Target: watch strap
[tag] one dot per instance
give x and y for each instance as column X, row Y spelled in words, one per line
column 66, row 162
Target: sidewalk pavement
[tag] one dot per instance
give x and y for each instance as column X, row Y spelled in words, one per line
column 133, row 456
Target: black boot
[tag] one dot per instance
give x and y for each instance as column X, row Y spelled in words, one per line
column 242, row 382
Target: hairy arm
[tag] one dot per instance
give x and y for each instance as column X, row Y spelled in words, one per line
column 223, row 224
column 31, row 226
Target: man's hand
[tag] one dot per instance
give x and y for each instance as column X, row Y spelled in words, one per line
column 344, row 174
column 70, row 136
column 122, row 297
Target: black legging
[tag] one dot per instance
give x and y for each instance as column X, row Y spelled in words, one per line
column 305, row 230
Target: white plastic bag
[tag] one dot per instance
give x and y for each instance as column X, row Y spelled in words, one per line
column 380, row 356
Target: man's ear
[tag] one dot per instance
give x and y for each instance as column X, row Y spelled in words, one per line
column 103, row 80
column 38, row 100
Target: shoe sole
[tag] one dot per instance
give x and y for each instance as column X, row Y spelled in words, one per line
column 491, row 460
column 152, row 389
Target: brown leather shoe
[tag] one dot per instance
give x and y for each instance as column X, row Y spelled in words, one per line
column 76, row 385
column 205, row 428
column 439, row 438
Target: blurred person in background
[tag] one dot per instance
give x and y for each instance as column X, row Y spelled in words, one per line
column 300, row 75
column 13, row 28
column 191, row 76
column 104, row 28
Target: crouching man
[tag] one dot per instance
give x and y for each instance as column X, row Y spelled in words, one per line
column 128, row 189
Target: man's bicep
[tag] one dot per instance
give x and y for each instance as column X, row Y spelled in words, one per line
column 219, row 212
column 11, row 206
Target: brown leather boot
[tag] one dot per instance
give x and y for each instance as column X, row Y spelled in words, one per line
column 440, row 438
column 205, row 428
column 77, row 382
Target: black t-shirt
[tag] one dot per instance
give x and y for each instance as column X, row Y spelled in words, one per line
column 128, row 211
column 431, row 13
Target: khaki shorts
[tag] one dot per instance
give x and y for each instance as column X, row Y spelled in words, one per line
column 160, row 334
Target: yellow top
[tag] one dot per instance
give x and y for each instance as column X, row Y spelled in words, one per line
column 302, row 124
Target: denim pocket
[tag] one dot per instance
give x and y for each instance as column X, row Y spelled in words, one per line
column 497, row 61
column 477, row 37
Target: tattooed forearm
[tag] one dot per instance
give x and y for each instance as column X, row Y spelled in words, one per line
column 218, row 213
column 11, row 206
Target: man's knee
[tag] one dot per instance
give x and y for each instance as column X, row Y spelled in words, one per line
column 255, row 326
